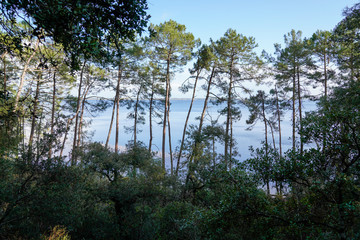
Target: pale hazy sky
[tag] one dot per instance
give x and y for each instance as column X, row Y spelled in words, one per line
column 266, row 20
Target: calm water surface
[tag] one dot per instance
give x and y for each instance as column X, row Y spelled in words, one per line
column 179, row 110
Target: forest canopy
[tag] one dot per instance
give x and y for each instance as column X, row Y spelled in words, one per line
column 86, row 28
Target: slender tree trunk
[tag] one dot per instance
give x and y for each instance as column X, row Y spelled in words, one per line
column 82, row 115
column 279, row 119
column 38, row 130
column 196, row 145
column 74, row 149
column 117, row 94
column 293, row 111
column 272, row 135
column 52, row 114
column 231, row 142
column 4, row 69
column 111, row 123
column 228, row 116
column 65, row 136
column 266, row 139
column 165, row 111
column 325, row 76
column 34, row 113
column 265, row 124
column 117, row 112
column 186, row 122
column 170, row 148
column 325, row 94
column 67, row 130
column 136, row 114
column 22, row 77
column 151, row 113
column 300, row 109
column 206, row 100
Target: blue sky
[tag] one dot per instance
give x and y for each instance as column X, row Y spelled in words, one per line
column 266, row 20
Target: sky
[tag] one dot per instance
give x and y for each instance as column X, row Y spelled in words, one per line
column 265, row 20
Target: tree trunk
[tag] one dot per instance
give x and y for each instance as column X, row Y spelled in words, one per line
column 300, row 109
column 293, row 111
column 196, row 145
column 111, row 123
column 325, row 76
column 22, row 77
column 228, row 116
column 170, row 148
column 52, row 114
column 206, row 100
column 231, row 142
column 272, row 134
column 34, row 113
column 150, row 114
column 265, row 124
column 165, row 111
column 279, row 120
column 113, row 112
column 82, row 115
column 325, row 94
column 74, row 149
column 136, row 113
column 5, row 80
column 186, row 122
column 117, row 111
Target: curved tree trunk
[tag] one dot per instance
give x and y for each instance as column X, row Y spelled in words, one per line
column 73, row 155
column 186, row 122
column 22, row 77
column 117, row 95
column 34, row 113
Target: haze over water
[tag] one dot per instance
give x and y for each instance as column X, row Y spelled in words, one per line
column 179, row 110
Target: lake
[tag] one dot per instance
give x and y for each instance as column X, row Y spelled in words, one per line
column 178, row 112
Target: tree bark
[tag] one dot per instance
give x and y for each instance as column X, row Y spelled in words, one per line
column 300, row 109
column 293, row 111
column 82, row 115
column 265, row 123
column 136, row 113
column 186, row 122
column 151, row 113
column 170, row 148
column 74, row 149
column 206, row 100
column 117, row 112
column 279, row 119
column 165, row 111
column 34, row 113
column 5, row 79
column 52, row 114
column 117, row 93
column 22, row 77
column 228, row 116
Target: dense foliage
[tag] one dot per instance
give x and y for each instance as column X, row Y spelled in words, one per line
column 53, row 189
